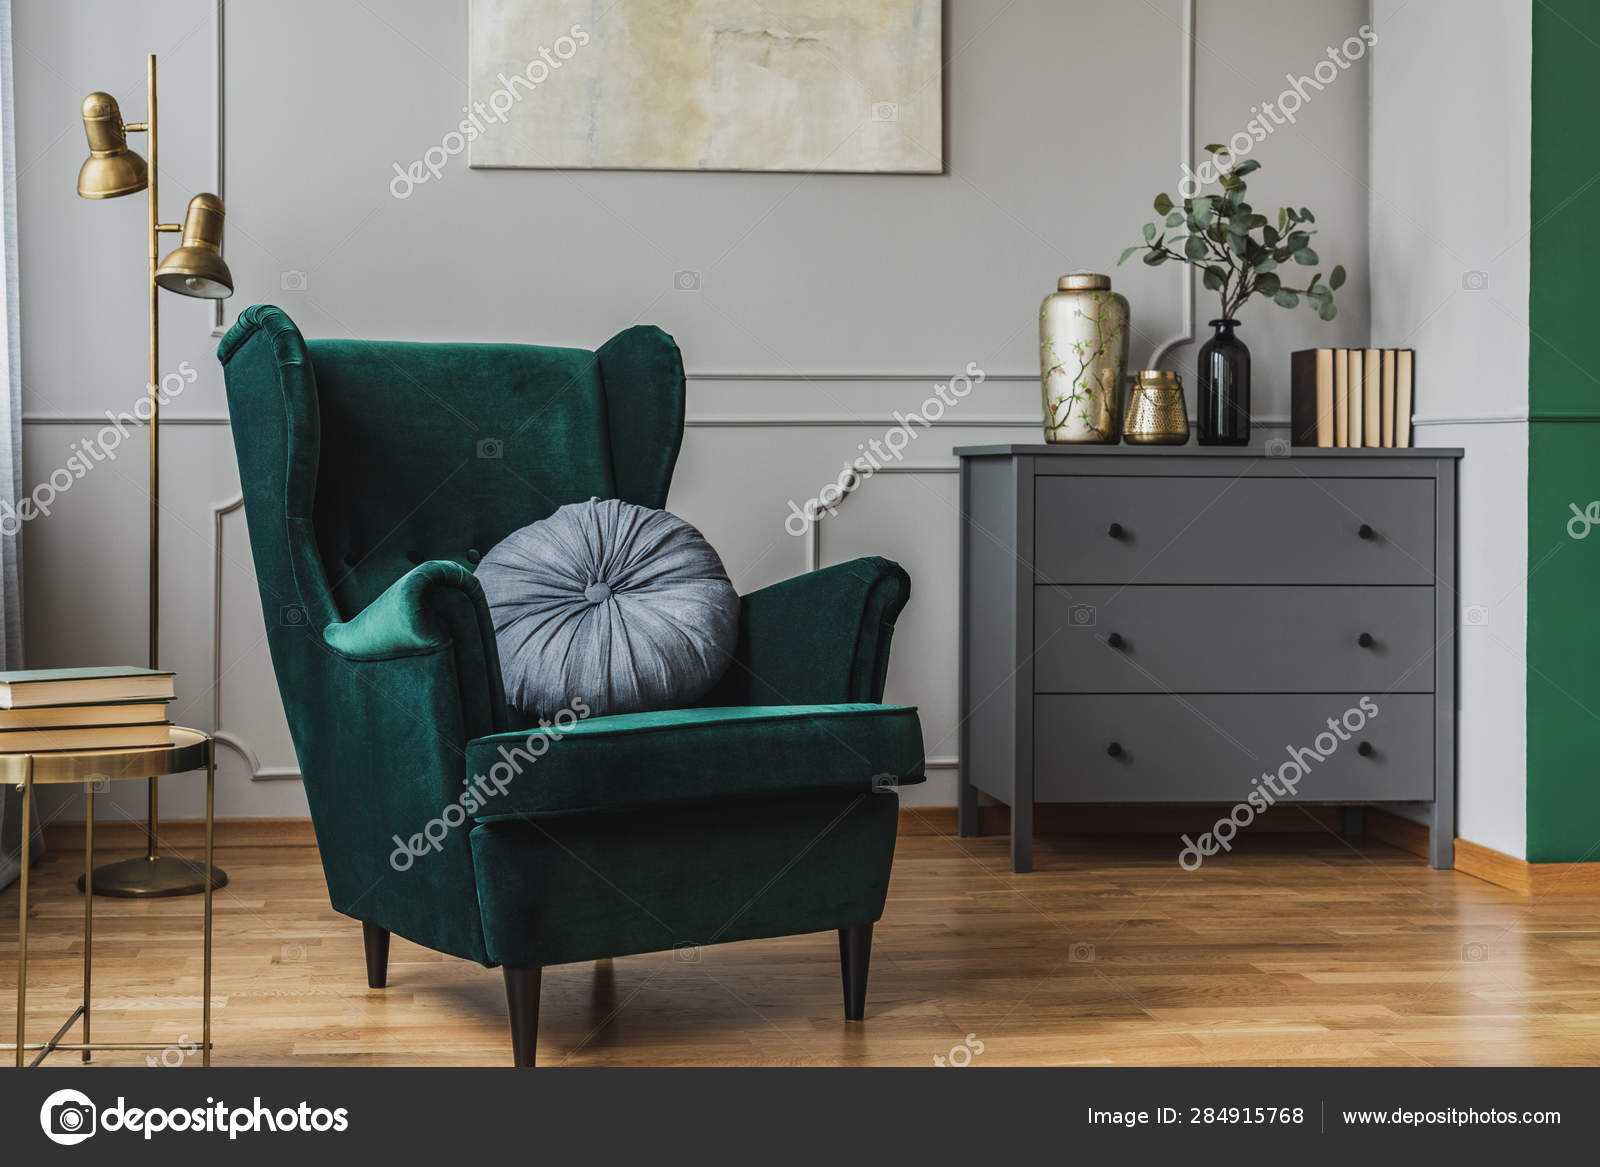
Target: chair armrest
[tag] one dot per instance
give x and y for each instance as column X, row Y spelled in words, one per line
column 408, row 618
column 436, row 607
column 818, row 639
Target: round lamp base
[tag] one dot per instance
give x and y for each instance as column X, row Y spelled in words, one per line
column 147, row 878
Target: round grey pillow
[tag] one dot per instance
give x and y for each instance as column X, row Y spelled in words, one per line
column 622, row 607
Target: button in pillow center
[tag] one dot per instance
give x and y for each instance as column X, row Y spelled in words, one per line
column 598, row 592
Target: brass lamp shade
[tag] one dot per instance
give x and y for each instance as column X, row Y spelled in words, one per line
column 196, row 267
column 111, row 170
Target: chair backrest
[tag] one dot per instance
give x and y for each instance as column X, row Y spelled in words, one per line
column 359, row 460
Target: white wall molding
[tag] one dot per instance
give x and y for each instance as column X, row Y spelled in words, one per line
column 258, row 772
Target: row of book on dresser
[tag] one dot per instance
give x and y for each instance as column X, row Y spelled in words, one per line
column 72, row 710
column 1350, row 397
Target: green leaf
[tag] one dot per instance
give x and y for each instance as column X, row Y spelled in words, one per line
column 1127, row 251
column 1149, row 232
column 1175, row 219
column 1255, row 222
column 1214, row 278
column 1285, row 298
column 1267, row 283
column 1215, row 149
column 1195, row 248
column 1238, row 243
column 1265, row 265
column 1269, row 235
column 1328, row 311
column 1228, row 181
column 1247, row 166
column 1297, row 240
column 1283, row 219
column 1306, row 256
column 1155, row 258
column 1163, row 204
column 1202, row 206
column 1307, row 216
column 1336, row 280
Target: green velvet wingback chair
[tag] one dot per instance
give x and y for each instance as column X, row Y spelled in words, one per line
column 375, row 475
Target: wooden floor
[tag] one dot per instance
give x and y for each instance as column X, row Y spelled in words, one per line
column 1293, row 950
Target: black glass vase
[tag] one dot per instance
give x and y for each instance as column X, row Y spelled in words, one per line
column 1223, row 393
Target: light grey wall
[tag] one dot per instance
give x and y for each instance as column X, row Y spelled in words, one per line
column 1451, row 118
column 1064, row 121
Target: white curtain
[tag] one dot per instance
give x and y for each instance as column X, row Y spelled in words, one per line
column 10, row 445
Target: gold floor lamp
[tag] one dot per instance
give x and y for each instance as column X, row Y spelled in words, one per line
column 195, row 268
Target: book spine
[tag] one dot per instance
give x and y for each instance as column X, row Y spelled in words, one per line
column 1325, row 397
column 1341, row 397
column 1402, row 398
column 1372, row 380
column 1358, row 402
column 1388, row 397
column 1303, row 397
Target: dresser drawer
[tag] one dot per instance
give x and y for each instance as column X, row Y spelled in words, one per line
column 1232, row 639
column 1214, row 530
column 1208, row 748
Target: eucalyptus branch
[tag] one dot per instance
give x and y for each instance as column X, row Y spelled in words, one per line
column 1238, row 249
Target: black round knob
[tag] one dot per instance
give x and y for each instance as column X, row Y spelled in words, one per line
column 1115, row 640
column 1365, row 531
column 1115, row 749
column 1365, row 640
column 1365, row 749
column 1114, row 530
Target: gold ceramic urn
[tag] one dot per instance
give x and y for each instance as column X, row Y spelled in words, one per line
column 1083, row 358
column 1156, row 413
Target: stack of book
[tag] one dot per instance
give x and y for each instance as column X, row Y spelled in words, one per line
column 1349, row 397
column 84, row 709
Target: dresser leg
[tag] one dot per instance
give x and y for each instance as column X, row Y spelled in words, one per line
column 1441, row 837
column 1022, row 837
column 1353, row 822
column 966, row 809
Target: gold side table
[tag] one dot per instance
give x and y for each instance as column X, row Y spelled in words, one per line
column 190, row 750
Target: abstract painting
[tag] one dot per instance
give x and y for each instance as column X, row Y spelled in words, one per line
column 790, row 85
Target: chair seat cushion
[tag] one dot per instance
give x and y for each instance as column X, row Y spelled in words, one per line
column 622, row 608
column 688, row 755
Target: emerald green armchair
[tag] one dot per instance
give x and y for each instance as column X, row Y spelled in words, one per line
column 375, row 475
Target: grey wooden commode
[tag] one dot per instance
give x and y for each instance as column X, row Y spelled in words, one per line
column 1167, row 625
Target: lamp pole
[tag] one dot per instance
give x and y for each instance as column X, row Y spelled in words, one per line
column 157, row 875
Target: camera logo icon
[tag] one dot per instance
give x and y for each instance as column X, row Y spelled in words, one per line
column 1081, row 615
column 886, row 111
column 686, row 280
column 67, row 1117
column 292, row 281
column 1474, row 281
column 1278, row 448
column 491, row 449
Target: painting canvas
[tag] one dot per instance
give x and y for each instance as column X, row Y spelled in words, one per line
column 796, row 85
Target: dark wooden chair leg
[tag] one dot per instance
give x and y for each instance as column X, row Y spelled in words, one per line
column 522, row 1002
column 377, row 943
column 855, row 952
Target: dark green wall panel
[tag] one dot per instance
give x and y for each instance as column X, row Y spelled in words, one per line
column 1563, row 646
